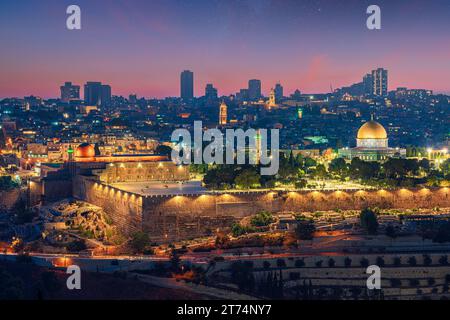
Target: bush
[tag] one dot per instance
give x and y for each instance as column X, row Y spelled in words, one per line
column 139, row 241
column 262, row 219
column 238, row 230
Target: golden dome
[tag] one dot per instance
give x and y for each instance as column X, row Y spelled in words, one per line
column 372, row 130
column 85, row 150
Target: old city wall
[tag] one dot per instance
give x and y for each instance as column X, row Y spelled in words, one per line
column 124, row 208
column 182, row 217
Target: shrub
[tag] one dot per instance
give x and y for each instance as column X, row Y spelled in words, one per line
column 262, row 219
column 139, row 241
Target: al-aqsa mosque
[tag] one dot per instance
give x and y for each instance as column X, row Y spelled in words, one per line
column 372, row 144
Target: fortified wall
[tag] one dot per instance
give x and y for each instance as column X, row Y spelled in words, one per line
column 181, row 217
column 169, row 218
column 124, row 208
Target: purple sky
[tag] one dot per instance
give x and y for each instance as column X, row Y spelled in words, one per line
column 142, row 46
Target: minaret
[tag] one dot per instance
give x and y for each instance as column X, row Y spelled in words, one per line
column 223, row 114
column 272, row 101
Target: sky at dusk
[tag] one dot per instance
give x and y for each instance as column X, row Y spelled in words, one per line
column 142, row 46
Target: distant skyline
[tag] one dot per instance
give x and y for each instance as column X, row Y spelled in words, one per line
column 142, row 46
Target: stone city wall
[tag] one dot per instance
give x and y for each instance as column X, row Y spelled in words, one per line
column 124, row 208
column 171, row 218
column 181, row 217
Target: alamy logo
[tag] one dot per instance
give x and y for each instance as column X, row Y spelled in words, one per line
column 234, row 144
column 73, row 21
column 374, row 280
column 74, row 280
column 374, row 20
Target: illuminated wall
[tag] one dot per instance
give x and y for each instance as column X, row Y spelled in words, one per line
column 169, row 218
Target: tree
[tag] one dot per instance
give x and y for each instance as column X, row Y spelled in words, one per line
column 390, row 231
column 139, row 241
column 175, row 261
column 427, row 260
column 305, row 229
column 320, row 171
column 380, row 262
column 7, row 183
column 339, row 167
column 22, row 213
column 242, row 275
column 443, row 260
column 412, row 261
column 369, row 221
column 247, row 179
column 347, row 262
column 331, row 263
column 299, row 263
column 445, row 167
column 364, row 262
column 300, row 184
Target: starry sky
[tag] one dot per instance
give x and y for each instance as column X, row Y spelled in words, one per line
column 142, row 46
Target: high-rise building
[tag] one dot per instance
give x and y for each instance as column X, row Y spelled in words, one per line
column 278, row 92
column 254, row 89
column 187, row 85
column 380, row 82
column 223, row 113
column 210, row 92
column 242, row 95
column 92, row 93
column 96, row 93
column 105, row 97
column 69, row 92
column 368, row 84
